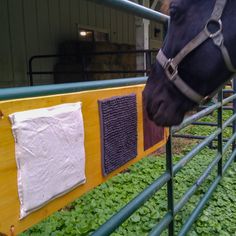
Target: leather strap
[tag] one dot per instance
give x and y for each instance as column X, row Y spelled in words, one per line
column 178, row 82
column 171, row 65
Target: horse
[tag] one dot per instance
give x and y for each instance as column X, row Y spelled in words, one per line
column 197, row 58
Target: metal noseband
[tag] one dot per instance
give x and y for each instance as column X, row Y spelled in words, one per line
column 170, row 65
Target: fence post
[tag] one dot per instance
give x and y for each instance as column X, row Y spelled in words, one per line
column 170, row 189
column 220, row 136
column 31, row 82
column 234, row 111
column 148, row 60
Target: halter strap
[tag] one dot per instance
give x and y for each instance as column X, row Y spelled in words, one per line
column 170, row 66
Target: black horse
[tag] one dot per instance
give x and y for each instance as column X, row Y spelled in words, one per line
column 197, row 58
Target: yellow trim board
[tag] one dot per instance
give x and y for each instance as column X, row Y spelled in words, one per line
column 9, row 202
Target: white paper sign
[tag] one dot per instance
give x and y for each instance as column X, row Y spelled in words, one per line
column 50, row 155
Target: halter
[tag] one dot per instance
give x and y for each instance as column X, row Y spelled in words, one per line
column 170, row 65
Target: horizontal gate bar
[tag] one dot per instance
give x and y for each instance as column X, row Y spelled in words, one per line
column 229, row 121
column 115, row 221
column 136, row 9
column 224, row 107
column 205, row 198
column 23, row 92
column 196, row 185
column 229, row 161
column 167, row 218
column 190, row 136
column 165, row 221
column 89, row 72
column 157, row 230
column 195, row 151
column 199, row 207
column 202, row 113
column 205, row 123
column 196, row 117
column 198, row 137
column 230, row 141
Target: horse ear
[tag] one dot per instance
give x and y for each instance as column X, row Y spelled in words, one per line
column 165, row 7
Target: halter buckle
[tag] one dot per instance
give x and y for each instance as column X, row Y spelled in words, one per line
column 213, row 34
column 171, row 70
column 206, row 100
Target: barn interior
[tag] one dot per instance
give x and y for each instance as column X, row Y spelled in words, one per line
column 60, row 41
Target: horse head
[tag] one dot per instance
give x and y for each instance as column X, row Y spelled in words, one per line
column 198, row 56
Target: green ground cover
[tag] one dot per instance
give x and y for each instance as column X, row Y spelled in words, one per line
column 85, row 215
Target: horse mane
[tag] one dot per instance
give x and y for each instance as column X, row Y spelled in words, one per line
column 165, row 7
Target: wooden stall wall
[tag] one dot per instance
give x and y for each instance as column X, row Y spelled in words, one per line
column 9, row 202
column 31, row 27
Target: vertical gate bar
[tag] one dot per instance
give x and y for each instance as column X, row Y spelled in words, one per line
column 148, row 61
column 234, row 111
column 31, row 82
column 220, row 136
column 170, row 190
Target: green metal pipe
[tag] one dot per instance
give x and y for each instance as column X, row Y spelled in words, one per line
column 170, row 187
column 209, row 169
column 115, row 221
column 229, row 99
column 195, row 117
column 196, row 185
column 201, row 114
column 205, row 198
column 230, row 142
column 179, row 165
column 229, row 161
column 187, row 225
column 24, row 92
column 136, row 9
column 220, row 136
column 165, row 221
column 229, row 121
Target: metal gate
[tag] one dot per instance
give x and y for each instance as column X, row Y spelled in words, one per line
column 167, row 222
column 171, row 170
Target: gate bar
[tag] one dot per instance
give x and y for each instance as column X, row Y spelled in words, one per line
column 116, row 220
column 24, row 92
column 205, row 198
column 230, row 142
column 170, row 184
column 136, row 9
column 157, row 230
column 202, row 113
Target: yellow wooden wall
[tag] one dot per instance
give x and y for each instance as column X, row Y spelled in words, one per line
column 9, row 203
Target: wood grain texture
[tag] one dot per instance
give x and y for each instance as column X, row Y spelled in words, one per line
column 9, row 203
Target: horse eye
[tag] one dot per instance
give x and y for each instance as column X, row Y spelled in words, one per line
column 175, row 13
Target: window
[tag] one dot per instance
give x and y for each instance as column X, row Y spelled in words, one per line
column 93, row 35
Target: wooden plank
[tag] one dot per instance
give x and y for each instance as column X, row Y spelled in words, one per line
column 44, row 40
column 18, row 46
column 54, row 21
column 120, row 30
column 6, row 65
column 83, row 8
column 65, row 19
column 132, row 30
column 125, row 28
column 74, row 12
column 99, row 12
column 9, row 203
column 114, row 30
column 91, row 14
column 31, row 33
column 107, row 20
